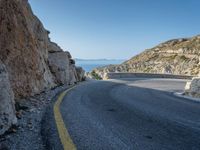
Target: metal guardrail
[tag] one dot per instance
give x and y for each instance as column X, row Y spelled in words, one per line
column 145, row 75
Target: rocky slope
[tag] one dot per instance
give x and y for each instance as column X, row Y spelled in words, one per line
column 179, row 56
column 32, row 62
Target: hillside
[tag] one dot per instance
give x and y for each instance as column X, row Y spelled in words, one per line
column 178, row 56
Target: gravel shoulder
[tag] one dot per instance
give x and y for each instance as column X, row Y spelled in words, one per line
column 27, row 135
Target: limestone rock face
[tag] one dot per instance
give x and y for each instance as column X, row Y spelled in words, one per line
column 73, row 78
column 178, row 56
column 7, row 109
column 23, row 48
column 80, row 74
column 59, row 66
column 53, row 47
column 34, row 63
column 193, row 88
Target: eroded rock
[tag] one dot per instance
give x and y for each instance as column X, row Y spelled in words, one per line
column 60, row 67
column 193, row 88
column 73, row 78
column 7, row 109
column 80, row 74
column 53, row 47
column 23, row 48
column 33, row 63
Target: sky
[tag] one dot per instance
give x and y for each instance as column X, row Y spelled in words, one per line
column 116, row 29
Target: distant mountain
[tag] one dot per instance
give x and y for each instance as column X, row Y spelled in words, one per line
column 177, row 56
column 103, row 59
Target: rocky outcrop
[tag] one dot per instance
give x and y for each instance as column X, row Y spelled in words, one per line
column 32, row 61
column 192, row 88
column 80, row 74
column 53, row 47
column 73, row 78
column 62, row 66
column 179, row 56
column 7, row 109
column 59, row 66
column 23, row 48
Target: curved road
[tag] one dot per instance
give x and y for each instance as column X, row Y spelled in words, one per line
column 140, row 114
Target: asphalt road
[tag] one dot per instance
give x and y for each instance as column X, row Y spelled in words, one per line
column 140, row 114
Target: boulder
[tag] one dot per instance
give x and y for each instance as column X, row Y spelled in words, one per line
column 60, row 67
column 73, row 78
column 187, row 86
column 53, row 47
column 7, row 109
column 193, row 88
column 80, row 74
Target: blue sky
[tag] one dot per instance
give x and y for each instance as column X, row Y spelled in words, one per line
column 116, row 29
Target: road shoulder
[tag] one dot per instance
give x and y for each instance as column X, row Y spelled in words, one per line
column 181, row 95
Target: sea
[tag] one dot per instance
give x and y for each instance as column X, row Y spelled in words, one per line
column 89, row 65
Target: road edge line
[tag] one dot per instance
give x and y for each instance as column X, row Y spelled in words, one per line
column 180, row 95
column 64, row 136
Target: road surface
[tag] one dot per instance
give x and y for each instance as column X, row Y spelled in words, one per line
column 131, row 114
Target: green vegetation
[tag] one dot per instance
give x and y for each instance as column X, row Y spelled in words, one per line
column 95, row 75
column 172, row 57
column 147, row 70
column 183, row 57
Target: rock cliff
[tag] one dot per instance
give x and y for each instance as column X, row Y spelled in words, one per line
column 33, row 63
column 7, row 109
column 179, row 56
column 61, row 65
column 23, row 48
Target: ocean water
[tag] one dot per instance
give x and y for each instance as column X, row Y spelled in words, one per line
column 89, row 65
